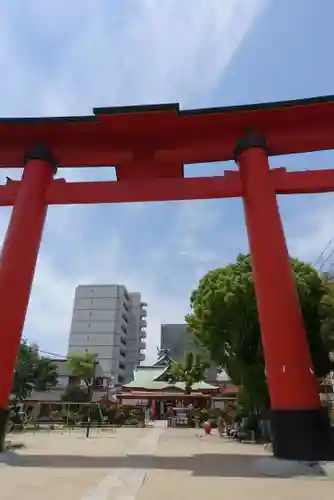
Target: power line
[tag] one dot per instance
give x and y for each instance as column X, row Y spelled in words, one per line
column 55, row 355
column 324, row 251
column 331, row 254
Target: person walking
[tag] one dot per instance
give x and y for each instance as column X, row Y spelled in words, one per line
column 207, row 427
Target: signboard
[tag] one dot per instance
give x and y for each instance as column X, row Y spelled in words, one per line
column 219, row 404
column 135, row 402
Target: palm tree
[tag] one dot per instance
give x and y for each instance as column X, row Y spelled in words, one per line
column 191, row 371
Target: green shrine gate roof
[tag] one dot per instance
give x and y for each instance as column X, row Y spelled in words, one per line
column 155, row 378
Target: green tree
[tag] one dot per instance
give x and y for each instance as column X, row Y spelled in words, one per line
column 327, row 311
column 224, row 319
column 191, row 371
column 32, row 372
column 82, row 367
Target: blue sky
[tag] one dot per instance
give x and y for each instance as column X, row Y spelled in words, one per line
column 64, row 58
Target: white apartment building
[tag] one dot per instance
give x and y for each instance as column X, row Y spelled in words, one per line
column 110, row 322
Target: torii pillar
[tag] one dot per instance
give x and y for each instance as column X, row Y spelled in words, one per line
column 300, row 426
column 17, row 265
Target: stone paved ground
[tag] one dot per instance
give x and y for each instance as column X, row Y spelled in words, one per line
column 144, row 464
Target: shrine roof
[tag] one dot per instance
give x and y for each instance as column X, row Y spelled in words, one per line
column 145, row 375
column 153, row 385
column 148, row 377
column 164, row 133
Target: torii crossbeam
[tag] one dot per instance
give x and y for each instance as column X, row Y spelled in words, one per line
column 149, row 145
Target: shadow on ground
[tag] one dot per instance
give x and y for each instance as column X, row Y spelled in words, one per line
column 205, row 465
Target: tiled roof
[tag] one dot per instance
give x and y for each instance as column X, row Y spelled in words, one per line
column 160, row 386
column 146, row 375
column 154, row 385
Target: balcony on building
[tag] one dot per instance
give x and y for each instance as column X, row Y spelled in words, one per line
column 143, row 313
column 143, row 334
column 142, row 356
column 124, row 318
column 124, row 334
column 143, row 304
column 143, row 323
column 142, row 345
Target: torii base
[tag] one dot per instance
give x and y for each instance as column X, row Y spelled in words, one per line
column 4, row 412
column 304, row 435
column 289, row 469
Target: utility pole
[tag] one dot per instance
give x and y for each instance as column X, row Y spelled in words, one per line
column 91, row 393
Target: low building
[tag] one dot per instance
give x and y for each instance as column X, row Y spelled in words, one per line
column 155, row 387
column 101, row 386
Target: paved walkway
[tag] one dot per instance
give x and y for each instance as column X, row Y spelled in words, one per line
column 144, row 464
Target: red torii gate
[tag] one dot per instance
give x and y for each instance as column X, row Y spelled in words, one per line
column 149, row 146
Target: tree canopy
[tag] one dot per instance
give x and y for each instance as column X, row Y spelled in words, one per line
column 190, row 371
column 82, row 366
column 224, row 319
column 327, row 326
column 32, row 372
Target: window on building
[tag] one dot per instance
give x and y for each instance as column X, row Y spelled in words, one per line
column 125, row 317
column 120, row 379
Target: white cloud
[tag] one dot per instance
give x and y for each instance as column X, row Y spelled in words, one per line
column 114, row 53
column 73, row 56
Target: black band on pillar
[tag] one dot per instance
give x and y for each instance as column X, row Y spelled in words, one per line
column 4, row 412
column 302, row 434
column 250, row 140
column 40, row 152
